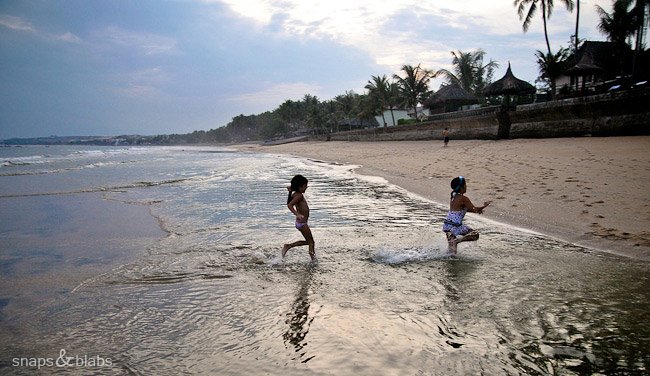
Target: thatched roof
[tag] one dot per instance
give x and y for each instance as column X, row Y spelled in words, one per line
column 451, row 92
column 592, row 58
column 509, row 85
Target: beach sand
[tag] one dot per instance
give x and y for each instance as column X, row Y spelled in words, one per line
column 588, row 191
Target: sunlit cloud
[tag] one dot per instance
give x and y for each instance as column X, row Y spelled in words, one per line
column 393, row 32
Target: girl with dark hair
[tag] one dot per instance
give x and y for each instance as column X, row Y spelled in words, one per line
column 298, row 206
column 459, row 205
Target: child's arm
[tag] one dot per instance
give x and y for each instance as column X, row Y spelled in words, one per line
column 474, row 209
column 297, row 197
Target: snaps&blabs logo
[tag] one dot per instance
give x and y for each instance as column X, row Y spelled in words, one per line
column 63, row 361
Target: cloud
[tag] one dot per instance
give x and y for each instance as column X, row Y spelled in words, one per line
column 143, row 83
column 268, row 97
column 21, row 25
column 393, row 33
column 16, row 23
column 145, row 43
column 68, row 37
column 412, row 32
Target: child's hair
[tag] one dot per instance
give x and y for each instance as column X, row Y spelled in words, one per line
column 456, row 184
column 296, row 182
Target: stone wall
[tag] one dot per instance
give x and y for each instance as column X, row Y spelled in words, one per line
column 473, row 124
column 613, row 114
column 622, row 113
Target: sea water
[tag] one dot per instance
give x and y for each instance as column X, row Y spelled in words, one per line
column 211, row 295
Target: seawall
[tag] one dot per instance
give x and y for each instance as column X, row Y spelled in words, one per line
column 612, row 114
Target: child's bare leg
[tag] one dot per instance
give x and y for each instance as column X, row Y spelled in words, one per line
column 309, row 240
column 469, row 237
column 451, row 241
column 291, row 245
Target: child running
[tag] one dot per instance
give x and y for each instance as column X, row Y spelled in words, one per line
column 459, row 205
column 298, row 205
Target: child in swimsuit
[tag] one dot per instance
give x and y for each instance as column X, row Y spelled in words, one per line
column 459, row 205
column 298, row 206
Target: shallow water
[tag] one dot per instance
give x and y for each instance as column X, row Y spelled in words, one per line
column 213, row 296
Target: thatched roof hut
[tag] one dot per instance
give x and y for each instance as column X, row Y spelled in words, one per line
column 449, row 98
column 595, row 61
column 509, row 85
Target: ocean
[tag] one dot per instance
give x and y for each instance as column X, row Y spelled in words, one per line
column 166, row 261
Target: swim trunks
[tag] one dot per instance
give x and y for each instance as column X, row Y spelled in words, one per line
column 300, row 225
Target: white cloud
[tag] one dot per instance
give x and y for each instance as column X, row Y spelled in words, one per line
column 22, row 25
column 68, row 37
column 380, row 28
column 145, row 43
column 398, row 32
column 16, row 23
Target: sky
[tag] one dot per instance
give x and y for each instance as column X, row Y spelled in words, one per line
column 148, row 67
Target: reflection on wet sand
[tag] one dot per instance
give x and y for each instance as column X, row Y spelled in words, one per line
column 298, row 318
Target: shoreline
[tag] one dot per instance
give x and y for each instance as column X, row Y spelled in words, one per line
column 589, row 191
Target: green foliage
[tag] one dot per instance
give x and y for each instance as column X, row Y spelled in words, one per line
column 551, row 67
column 622, row 23
column 407, row 121
column 469, row 71
column 413, row 88
column 527, row 9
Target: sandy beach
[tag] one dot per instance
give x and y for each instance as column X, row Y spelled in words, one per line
column 588, row 191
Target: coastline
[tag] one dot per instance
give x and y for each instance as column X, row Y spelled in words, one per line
column 589, row 191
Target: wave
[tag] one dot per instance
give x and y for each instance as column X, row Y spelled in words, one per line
column 67, row 156
column 391, row 256
column 140, row 184
column 55, row 170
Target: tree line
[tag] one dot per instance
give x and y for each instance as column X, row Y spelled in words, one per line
column 310, row 115
column 347, row 111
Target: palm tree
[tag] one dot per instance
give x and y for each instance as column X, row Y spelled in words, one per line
column 469, row 71
column 414, row 86
column 550, row 67
column 393, row 99
column 547, row 9
column 379, row 90
column 619, row 25
column 640, row 11
column 576, row 40
column 365, row 109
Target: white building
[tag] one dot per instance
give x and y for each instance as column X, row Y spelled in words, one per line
column 396, row 114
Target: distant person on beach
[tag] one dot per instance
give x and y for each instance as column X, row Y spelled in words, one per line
column 298, row 205
column 445, row 135
column 459, row 205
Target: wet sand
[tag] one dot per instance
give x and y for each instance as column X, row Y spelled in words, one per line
column 588, row 191
column 52, row 244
